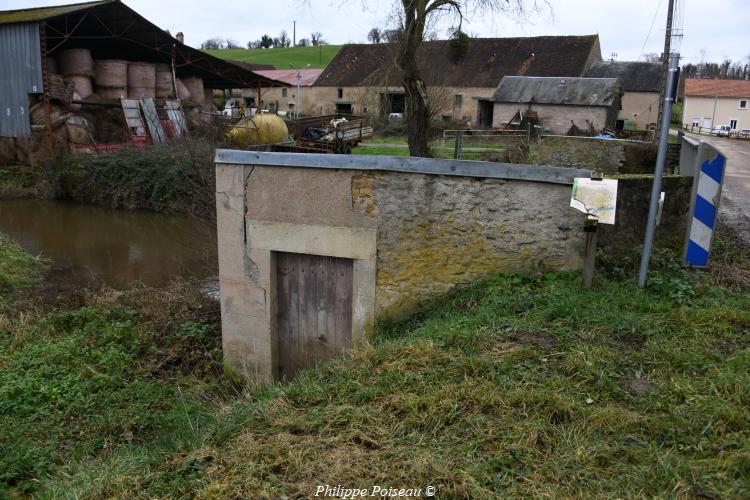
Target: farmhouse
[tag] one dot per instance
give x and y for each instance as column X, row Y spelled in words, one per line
column 363, row 79
column 710, row 103
column 562, row 105
column 640, row 83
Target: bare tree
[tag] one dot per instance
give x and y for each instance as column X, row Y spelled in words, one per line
column 284, row 40
column 375, row 35
column 303, row 42
column 316, row 38
column 213, row 43
column 231, row 44
column 416, row 16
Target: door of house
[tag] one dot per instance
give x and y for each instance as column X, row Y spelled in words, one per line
column 707, row 123
column 314, row 309
column 486, row 109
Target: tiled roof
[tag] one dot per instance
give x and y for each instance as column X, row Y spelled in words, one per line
column 488, row 60
column 308, row 76
column 713, row 88
column 42, row 13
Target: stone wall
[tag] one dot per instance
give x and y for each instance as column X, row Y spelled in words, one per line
column 633, row 197
column 435, row 232
column 555, row 119
column 603, row 155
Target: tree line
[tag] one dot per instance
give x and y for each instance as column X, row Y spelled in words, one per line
column 265, row 42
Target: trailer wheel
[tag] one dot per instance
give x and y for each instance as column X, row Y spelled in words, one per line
column 347, row 149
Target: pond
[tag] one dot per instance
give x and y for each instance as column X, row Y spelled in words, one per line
column 94, row 245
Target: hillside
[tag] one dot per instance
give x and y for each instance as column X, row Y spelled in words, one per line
column 520, row 386
column 316, row 57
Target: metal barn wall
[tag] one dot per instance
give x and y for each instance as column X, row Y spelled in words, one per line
column 20, row 75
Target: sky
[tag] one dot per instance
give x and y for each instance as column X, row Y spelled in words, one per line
column 713, row 30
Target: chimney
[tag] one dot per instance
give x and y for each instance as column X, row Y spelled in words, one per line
column 180, row 37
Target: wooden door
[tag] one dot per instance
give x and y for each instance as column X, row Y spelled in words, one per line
column 314, row 307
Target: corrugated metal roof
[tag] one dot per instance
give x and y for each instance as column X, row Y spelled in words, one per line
column 20, row 75
column 43, row 13
column 308, row 76
column 712, row 88
column 552, row 90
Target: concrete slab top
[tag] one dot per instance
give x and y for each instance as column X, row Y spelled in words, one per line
column 431, row 166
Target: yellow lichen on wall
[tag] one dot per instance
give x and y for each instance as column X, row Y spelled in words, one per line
column 363, row 200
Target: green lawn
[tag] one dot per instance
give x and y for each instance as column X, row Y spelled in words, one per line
column 316, row 57
column 523, row 385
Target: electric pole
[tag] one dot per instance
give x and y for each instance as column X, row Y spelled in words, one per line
column 294, row 33
column 664, row 70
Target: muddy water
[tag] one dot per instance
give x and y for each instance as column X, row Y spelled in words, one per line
column 95, row 245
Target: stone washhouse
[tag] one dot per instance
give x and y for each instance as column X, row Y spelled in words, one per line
column 315, row 250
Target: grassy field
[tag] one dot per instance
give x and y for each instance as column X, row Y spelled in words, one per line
column 522, row 385
column 316, row 57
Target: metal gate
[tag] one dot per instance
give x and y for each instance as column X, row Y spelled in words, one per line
column 314, row 307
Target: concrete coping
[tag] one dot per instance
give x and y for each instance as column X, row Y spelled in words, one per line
column 406, row 164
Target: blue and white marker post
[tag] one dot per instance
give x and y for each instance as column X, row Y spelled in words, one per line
column 704, row 205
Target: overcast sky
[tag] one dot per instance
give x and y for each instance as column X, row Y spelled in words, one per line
column 721, row 28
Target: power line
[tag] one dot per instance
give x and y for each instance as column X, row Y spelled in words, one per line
column 650, row 29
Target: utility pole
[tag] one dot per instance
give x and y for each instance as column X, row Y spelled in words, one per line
column 294, row 33
column 664, row 69
column 669, row 94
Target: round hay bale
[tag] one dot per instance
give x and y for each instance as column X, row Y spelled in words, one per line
column 52, row 66
column 38, row 115
column 111, row 73
column 138, row 92
column 195, row 86
column 142, row 75
column 163, row 81
column 112, row 92
column 76, row 62
column 73, row 106
column 183, row 93
column 82, row 85
column 78, row 130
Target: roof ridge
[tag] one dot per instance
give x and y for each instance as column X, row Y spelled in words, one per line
column 66, row 5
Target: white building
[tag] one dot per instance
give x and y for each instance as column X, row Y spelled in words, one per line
column 710, row 103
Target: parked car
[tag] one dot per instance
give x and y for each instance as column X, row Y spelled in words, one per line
column 721, row 131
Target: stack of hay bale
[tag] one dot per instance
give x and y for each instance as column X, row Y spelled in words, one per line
column 77, row 67
column 141, row 80
column 111, row 77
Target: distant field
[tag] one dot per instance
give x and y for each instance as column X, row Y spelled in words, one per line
column 316, row 57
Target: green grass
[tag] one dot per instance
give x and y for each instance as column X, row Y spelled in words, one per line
column 18, row 269
column 519, row 386
column 132, row 375
column 316, row 57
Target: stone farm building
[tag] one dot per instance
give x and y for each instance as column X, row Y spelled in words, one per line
column 640, row 83
column 561, row 105
column 277, row 98
column 710, row 103
column 363, row 79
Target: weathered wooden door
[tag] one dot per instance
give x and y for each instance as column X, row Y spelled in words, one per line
column 314, row 306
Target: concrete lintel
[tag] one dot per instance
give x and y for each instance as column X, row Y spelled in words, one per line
column 346, row 242
column 432, row 166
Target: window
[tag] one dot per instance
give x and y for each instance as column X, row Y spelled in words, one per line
column 732, row 124
column 340, row 93
column 283, row 92
column 458, row 102
column 743, row 104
